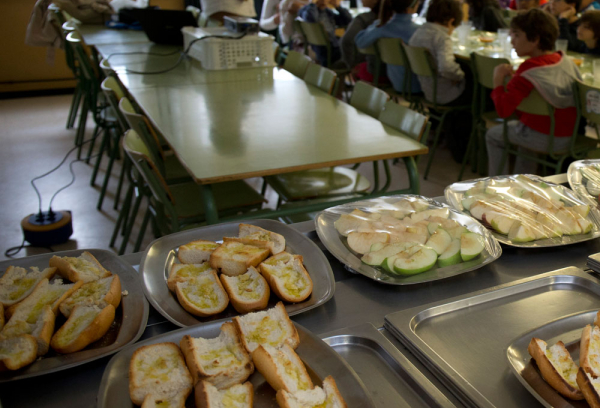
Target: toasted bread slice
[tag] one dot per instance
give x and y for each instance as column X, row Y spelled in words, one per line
column 271, row 327
column 85, row 325
column 159, row 371
column 247, row 292
column 103, row 292
column 557, row 367
column 17, row 352
column 16, row 283
column 260, row 237
column 222, row 361
column 327, row 397
column 172, row 400
column 83, row 268
column 182, row 272
column 590, row 387
column 203, row 295
column 236, row 396
column 287, row 277
column 589, row 350
column 234, row 258
column 282, row 368
column 196, row 252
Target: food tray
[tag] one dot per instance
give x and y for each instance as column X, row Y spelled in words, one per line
column 583, row 178
column 337, row 245
column 392, row 380
column 130, row 318
column 568, row 330
column 454, row 194
column 320, row 361
column 161, row 254
column 463, row 341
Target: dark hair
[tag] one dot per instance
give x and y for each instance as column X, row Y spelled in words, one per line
column 591, row 19
column 537, row 24
column 388, row 7
column 441, row 11
column 576, row 3
column 476, row 6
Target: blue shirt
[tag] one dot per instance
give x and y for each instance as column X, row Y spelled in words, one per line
column 594, row 5
column 399, row 26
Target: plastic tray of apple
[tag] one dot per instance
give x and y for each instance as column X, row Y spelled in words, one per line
column 584, row 179
column 526, row 211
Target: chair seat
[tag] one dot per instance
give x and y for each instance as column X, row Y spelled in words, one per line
column 584, row 143
column 491, row 116
column 302, row 185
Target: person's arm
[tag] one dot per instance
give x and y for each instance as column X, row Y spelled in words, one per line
column 447, row 65
column 269, row 16
column 348, row 44
column 309, row 13
column 492, row 19
column 369, row 35
column 507, row 101
column 343, row 17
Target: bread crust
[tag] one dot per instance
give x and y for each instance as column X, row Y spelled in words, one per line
column 47, row 273
column 239, row 303
column 174, row 277
column 587, row 388
column 549, row 372
column 266, row 365
column 48, row 319
column 189, row 255
column 195, row 310
column 68, row 271
column 584, row 350
column 203, row 400
column 112, row 296
column 94, row 331
column 330, row 386
column 277, row 240
column 278, row 285
column 233, row 258
column 27, row 341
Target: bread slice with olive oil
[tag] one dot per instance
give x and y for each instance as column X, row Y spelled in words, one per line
column 182, row 272
column 17, row 283
column 85, row 325
column 234, row 258
column 103, row 292
column 260, row 237
column 202, row 295
column 82, row 268
column 287, row 277
column 247, row 292
column 282, row 368
column 327, row 397
column 196, row 252
column 236, row 396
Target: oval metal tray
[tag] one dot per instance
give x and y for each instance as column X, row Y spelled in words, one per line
column 580, row 171
column 337, row 245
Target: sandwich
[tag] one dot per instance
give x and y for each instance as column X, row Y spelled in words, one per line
column 100, row 293
column 234, row 258
column 85, row 325
column 17, row 352
column 260, row 237
column 222, row 361
column 158, row 375
column 236, row 396
column 287, row 277
column 17, row 283
column 203, row 295
column 589, row 350
column 557, row 367
column 182, row 272
column 83, row 268
column 327, row 397
column 247, row 292
column 271, row 327
column 196, row 252
column 282, row 368
column 590, row 387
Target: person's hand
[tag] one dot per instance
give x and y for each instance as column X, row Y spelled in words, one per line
column 277, row 18
column 500, row 73
column 569, row 13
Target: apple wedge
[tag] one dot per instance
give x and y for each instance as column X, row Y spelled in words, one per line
column 439, row 241
column 351, row 222
column 432, row 227
column 410, row 248
column 420, row 261
column 456, row 232
column 436, row 212
column 520, row 232
column 471, row 245
column 361, row 241
column 500, row 223
column 451, row 255
column 376, row 258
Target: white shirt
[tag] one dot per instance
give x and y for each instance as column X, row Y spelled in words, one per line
column 243, row 8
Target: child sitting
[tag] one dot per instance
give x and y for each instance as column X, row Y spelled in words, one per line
column 588, row 32
column 566, row 13
column 552, row 74
column 486, row 15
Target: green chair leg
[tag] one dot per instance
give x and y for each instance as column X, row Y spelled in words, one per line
column 124, row 169
column 435, row 143
column 103, row 147
column 75, row 102
column 111, row 160
column 133, row 213
column 140, row 238
column 469, row 152
column 81, row 126
column 122, row 218
column 92, row 143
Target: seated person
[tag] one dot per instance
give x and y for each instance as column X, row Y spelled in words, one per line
column 331, row 16
column 486, row 15
column 280, row 14
column 533, row 35
column 588, row 32
column 587, row 5
column 566, row 13
column 400, row 26
column 217, row 9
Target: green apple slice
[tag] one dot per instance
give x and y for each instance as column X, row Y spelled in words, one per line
column 585, row 224
column 471, row 245
column 456, row 232
column 418, row 262
column 520, row 232
column 432, row 226
column 376, row 246
column 361, row 241
column 439, row 241
column 377, row 257
column 437, row 212
column 411, row 248
column 581, row 209
column 451, row 255
column 499, row 222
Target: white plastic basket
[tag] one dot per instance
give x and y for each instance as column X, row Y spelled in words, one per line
column 250, row 51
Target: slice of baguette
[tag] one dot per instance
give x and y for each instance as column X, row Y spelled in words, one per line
column 589, row 350
column 85, row 325
column 236, row 396
column 17, row 352
column 83, row 268
column 16, row 283
column 203, row 295
column 260, row 237
column 103, row 292
column 247, row 292
column 271, row 327
column 234, row 258
column 159, row 371
column 196, row 252
column 282, row 368
column 590, row 387
column 182, row 272
column 327, row 397
column 557, row 367
column 172, row 400
column 223, row 361
column 287, row 277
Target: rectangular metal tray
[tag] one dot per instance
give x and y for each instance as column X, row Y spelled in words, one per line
column 337, row 244
column 390, row 377
column 463, row 340
column 130, row 319
column 161, row 254
column 320, row 361
column 568, row 330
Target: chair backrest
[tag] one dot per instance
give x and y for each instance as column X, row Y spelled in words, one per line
column 106, row 68
column 483, row 68
column 321, row 77
column 296, row 63
column 314, row 33
column 535, row 104
column 367, row 51
column 420, row 60
column 114, row 93
column 584, row 93
column 412, row 123
column 390, row 51
column 368, row 99
column 84, row 62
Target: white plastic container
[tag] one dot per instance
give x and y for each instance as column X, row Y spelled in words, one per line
column 250, row 51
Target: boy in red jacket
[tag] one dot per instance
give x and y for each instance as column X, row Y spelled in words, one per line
column 552, row 74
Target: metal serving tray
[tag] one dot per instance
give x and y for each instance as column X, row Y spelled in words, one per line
column 463, row 341
column 580, row 171
column 129, row 324
column 337, row 244
column 320, row 361
column 568, row 330
column 162, row 254
column 392, row 380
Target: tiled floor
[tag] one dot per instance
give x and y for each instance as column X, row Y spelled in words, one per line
column 34, row 140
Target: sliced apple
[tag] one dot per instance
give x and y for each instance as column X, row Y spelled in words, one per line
column 446, row 223
column 568, row 222
column 439, row 241
column 419, row 205
column 550, row 224
column 408, row 237
column 521, row 233
column 451, row 255
column 499, row 222
column 436, row 212
column 456, row 232
column 377, row 246
column 420, row 261
column 408, row 250
column 471, row 245
column 361, row 241
column 350, row 222
column 478, row 209
column 419, row 229
column 580, row 209
column 385, row 251
column 432, row 226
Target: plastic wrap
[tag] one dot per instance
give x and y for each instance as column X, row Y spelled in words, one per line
column 584, row 179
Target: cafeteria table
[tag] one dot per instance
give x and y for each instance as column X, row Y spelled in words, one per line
column 356, row 300
column 99, row 34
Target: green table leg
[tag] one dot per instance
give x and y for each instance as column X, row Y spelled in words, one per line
column 210, row 207
column 413, row 174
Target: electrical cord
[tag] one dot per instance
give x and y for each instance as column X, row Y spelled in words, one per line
column 10, row 252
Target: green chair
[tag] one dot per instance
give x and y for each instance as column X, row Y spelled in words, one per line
column 593, row 119
column 390, row 52
column 368, row 99
column 321, row 77
column 298, row 30
column 410, row 122
column 372, row 52
column 296, row 63
column 422, row 64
